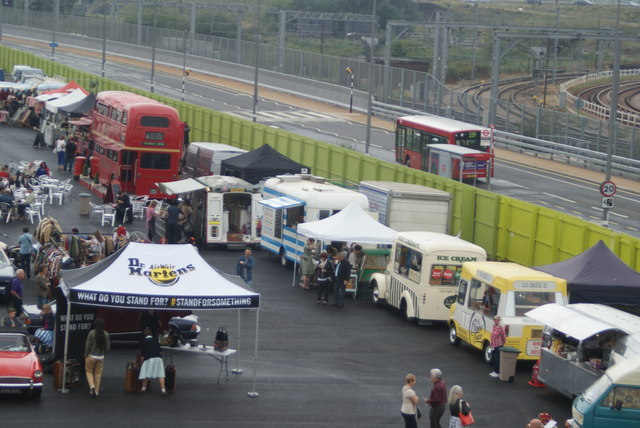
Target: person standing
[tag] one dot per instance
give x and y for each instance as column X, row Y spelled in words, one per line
column 69, row 154
column 457, row 406
column 409, row 402
column 26, row 250
column 17, row 289
column 342, row 275
column 307, row 265
column 498, row 339
column 95, row 348
column 43, row 286
column 437, row 398
column 152, row 364
column 173, row 228
column 324, row 273
column 59, row 150
column 151, row 219
column 244, row 267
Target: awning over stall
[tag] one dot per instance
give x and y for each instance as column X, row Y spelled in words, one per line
column 74, row 97
column 281, row 202
column 79, row 107
column 583, row 320
column 180, row 186
column 156, row 276
column 352, row 224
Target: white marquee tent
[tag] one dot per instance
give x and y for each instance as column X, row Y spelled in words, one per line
column 159, row 277
column 352, row 224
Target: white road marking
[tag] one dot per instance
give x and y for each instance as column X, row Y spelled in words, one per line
column 559, row 197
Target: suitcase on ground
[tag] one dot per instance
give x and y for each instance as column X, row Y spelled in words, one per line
column 131, row 382
column 170, row 378
column 73, row 373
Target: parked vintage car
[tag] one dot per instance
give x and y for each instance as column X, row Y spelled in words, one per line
column 20, row 368
column 7, row 273
column 124, row 324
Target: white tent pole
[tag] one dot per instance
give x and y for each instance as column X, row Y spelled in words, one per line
column 254, row 393
column 238, row 370
column 295, row 259
column 64, row 389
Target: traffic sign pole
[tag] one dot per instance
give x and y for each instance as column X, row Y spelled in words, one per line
column 607, row 189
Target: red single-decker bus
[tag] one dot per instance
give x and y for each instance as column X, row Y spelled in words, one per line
column 414, row 135
column 135, row 140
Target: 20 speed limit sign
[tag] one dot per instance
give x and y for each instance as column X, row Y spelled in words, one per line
column 608, row 188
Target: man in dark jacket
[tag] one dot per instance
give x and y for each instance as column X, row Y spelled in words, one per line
column 342, row 276
column 70, row 154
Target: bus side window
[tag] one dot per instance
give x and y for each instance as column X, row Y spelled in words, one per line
column 476, row 294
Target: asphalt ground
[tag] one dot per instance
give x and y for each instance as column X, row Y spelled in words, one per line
column 317, row 366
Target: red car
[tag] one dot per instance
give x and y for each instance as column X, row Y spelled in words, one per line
column 20, row 368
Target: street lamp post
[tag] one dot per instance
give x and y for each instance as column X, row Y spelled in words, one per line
column 184, row 61
column 257, row 68
column 56, row 13
column 371, row 79
column 104, row 42
column 613, row 110
column 350, row 71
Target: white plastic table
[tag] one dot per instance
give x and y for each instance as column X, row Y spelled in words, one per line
column 222, row 357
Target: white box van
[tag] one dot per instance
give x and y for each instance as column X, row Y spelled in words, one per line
column 205, row 158
column 20, row 72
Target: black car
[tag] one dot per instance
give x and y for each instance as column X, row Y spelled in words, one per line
column 7, row 273
column 124, row 324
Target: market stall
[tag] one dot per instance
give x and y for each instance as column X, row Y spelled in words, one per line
column 151, row 276
column 581, row 341
column 352, row 224
column 599, row 276
column 260, row 164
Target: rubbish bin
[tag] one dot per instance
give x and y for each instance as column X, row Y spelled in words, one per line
column 508, row 358
column 84, row 208
column 77, row 167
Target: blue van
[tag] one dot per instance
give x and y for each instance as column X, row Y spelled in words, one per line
column 613, row 401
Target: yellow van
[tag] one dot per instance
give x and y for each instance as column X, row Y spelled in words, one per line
column 487, row 289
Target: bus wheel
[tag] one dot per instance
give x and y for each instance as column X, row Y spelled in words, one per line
column 453, row 335
column 283, row 258
column 486, row 352
column 375, row 293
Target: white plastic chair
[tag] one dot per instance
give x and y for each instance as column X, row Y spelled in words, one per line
column 41, row 200
column 108, row 214
column 138, row 209
column 56, row 192
column 32, row 212
column 68, row 188
column 95, row 209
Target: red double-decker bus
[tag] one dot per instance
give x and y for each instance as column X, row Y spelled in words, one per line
column 134, row 140
column 414, row 135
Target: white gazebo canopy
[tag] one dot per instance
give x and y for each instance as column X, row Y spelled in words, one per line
column 352, row 224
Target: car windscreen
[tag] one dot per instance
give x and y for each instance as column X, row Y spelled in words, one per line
column 13, row 343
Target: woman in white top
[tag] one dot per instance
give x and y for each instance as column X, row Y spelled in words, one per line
column 61, row 144
column 409, row 402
